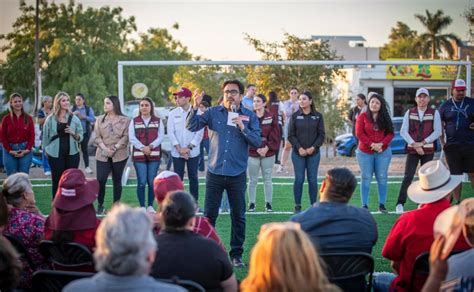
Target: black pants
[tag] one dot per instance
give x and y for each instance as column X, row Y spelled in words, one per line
column 103, row 171
column 235, row 187
column 60, row 164
column 84, row 144
column 410, row 169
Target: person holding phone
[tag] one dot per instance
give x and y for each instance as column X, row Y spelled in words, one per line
column 62, row 133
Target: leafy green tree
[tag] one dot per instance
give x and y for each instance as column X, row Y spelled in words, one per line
column 433, row 40
column 316, row 79
column 79, row 50
column 403, row 43
column 207, row 78
column 156, row 44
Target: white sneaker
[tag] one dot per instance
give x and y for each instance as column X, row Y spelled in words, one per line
column 399, row 209
column 150, row 209
column 89, row 170
column 143, row 209
column 280, row 168
column 47, row 173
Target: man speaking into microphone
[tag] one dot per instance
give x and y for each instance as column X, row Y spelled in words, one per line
column 232, row 128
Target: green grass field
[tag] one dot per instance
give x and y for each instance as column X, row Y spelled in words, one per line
column 282, row 202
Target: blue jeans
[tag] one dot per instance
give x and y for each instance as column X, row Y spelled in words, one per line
column 374, row 163
column 46, row 166
column 146, row 172
column 381, row 281
column 310, row 164
column 235, row 187
column 204, row 145
column 13, row 164
column 192, row 165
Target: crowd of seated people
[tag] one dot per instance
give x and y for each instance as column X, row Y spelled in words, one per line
column 175, row 243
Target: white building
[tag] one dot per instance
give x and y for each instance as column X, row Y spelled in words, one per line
column 397, row 84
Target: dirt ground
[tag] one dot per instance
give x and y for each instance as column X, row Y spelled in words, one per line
column 396, row 168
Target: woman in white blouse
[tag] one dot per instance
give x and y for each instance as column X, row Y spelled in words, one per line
column 146, row 132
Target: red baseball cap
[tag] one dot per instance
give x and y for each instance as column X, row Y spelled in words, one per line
column 165, row 182
column 183, row 92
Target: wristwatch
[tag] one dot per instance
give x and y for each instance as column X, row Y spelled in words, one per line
column 191, row 146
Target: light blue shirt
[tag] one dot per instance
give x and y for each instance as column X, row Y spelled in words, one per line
column 247, row 102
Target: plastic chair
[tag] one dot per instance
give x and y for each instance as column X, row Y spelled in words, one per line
column 55, row 281
column 69, row 255
column 21, row 250
column 189, row 285
column 351, row 271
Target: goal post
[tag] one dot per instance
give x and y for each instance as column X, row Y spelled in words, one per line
column 331, row 63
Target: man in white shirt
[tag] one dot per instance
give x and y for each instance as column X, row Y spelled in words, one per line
column 420, row 129
column 185, row 151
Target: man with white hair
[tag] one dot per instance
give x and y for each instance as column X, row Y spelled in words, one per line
column 123, row 262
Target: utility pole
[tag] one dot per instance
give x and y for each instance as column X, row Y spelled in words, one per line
column 37, row 73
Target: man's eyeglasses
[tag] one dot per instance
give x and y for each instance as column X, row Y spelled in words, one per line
column 232, row 92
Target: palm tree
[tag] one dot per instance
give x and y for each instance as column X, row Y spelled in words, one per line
column 433, row 39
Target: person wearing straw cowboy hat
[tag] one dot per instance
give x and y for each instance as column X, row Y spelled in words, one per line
column 457, row 270
column 412, row 233
column 457, row 116
column 73, row 217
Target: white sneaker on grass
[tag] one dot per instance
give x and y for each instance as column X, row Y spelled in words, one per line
column 399, row 209
column 89, row 170
column 150, row 209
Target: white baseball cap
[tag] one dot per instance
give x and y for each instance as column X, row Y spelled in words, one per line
column 459, row 84
column 422, row 90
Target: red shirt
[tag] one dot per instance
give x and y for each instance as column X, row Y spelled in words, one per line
column 84, row 237
column 270, row 133
column 14, row 131
column 367, row 135
column 411, row 235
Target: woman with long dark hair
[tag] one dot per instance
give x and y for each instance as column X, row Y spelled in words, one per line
column 86, row 115
column 45, row 110
column 374, row 129
column 111, row 137
column 306, row 135
column 146, row 132
column 62, row 133
column 275, row 107
column 187, row 255
column 262, row 158
column 18, row 137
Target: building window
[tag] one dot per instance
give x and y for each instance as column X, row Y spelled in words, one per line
column 404, row 99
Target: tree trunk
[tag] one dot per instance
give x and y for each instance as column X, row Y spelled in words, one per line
column 433, row 47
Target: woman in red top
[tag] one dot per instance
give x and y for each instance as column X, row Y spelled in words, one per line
column 374, row 129
column 18, row 137
column 264, row 157
column 73, row 217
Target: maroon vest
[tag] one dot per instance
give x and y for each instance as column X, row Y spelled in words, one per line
column 146, row 135
column 419, row 130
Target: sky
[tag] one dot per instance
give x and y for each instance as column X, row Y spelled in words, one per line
column 215, row 29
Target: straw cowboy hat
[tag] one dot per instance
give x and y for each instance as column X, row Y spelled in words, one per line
column 435, row 182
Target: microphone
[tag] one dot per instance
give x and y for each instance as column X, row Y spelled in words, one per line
column 233, row 108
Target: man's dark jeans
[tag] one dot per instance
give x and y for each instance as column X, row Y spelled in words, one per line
column 235, row 187
column 192, row 165
column 410, row 169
